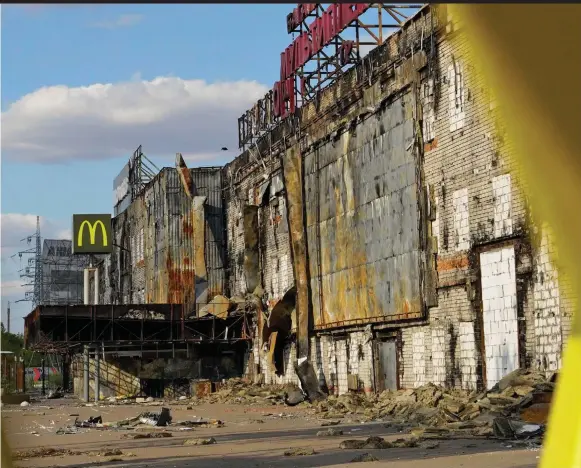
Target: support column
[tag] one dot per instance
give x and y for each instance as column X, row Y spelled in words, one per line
column 96, row 278
column 86, row 374
column 97, row 374
column 86, row 286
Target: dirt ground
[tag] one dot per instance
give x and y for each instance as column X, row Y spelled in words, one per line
column 250, row 437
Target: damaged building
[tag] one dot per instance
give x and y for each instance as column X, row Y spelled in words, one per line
column 414, row 252
column 376, row 239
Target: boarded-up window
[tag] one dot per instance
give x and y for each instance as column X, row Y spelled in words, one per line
column 429, row 114
column 456, row 94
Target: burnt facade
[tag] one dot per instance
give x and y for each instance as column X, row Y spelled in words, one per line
column 170, row 246
column 381, row 231
column 422, row 259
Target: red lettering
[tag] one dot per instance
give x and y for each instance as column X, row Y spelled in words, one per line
column 297, row 17
column 347, row 13
column 332, row 13
column 289, row 61
column 289, row 97
column 283, row 69
column 317, row 35
column 306, row 48
column 283, row 98
column 360, row 8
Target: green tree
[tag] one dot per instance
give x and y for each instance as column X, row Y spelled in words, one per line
column 14, row 342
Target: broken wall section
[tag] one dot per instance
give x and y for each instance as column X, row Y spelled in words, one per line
column 156, row 259
column 500, row 304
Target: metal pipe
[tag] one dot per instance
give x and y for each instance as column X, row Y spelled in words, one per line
column 86, row 286
column 86, row 375
column 97, row 375
column 96, row 278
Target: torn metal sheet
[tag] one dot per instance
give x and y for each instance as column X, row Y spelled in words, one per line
column 362, row 208
column 271, row 348
column 184, row 174
column 199, row 235
column 251, row 248
column 219, row 307
column 293, row 179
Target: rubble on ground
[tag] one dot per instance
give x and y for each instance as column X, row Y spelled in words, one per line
column 300, row 452
column 509, row 410
column 239, row 391
column 208, row 441
column 364, row 457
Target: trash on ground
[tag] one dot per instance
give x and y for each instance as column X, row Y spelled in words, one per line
column 156, row 419
column 93, row 421
column 57, row 393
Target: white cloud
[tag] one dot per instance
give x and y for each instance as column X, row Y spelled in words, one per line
column 165, row 115
column 122, row 21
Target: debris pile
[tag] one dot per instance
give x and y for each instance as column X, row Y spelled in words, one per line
column 238, row 391
column 515, row 408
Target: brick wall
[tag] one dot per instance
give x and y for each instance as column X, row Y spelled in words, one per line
column 500, row 297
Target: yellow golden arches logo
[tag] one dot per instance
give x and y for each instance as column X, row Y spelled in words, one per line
column 92, row 234
column 92, row 231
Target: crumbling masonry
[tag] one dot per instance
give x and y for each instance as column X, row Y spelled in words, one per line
column 424, row 263
column 379, row 232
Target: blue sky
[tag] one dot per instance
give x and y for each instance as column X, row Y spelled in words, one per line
column 84, row 85
column 63, row 46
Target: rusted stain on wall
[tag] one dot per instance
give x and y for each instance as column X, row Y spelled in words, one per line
column 293, row 181
column 369, row 217
column 453, row 263
column 159, row 254
column 199, row 233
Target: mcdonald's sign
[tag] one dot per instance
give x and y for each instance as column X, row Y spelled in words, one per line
column 92, row 234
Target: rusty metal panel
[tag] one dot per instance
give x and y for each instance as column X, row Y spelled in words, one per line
column 363, row 215
column 207, row 182
column 202, row 388
column 293, row 179
column 157, row 259
column 199, row 234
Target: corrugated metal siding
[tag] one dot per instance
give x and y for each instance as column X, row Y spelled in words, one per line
column 364, row 201
column 156, row 262
column 208, row 183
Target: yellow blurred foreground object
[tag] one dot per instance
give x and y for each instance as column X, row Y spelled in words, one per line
column 531, row 58
column 6, row 455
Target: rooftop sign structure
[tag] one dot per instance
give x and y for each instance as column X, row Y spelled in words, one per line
column 326, row 41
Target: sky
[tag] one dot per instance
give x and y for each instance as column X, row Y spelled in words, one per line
column 82, row 86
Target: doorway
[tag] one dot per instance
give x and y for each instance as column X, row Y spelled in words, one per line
column 386, row 352
column 499, row 313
